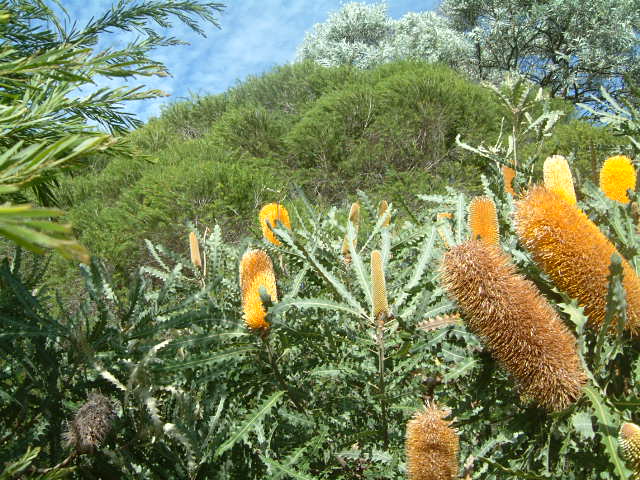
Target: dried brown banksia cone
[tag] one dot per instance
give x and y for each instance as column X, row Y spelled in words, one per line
column 483, row 220
column 518, row 326
column 256, row 270
column 629, row 440
column 558, row 178
column 91, row 424
column 575, row 254
column 432, row 446
column 378, row 285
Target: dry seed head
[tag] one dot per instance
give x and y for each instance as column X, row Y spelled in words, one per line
column 270, row 213
column 508, row 174
column 383, row 208
column 575, row 254
column 378, row 285
column 520, row 329
column 558, row 179
column 483, row 220
column 91, row 424
column 629, row 440
column 618, row 175
column 194, row 247
column 256, row 270
column 432, row 446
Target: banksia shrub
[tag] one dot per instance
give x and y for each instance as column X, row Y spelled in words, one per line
column 629, row 440
column 354, row 218
column 378, row 285
column 508, row 174
column 256, row 270
column 617, row 175
column 432, row 446
column 558, row 179
column 194, row 248
column 574, row 253
column 268, row 215
column 519, row 327
column 91, row 424
column 483, row 220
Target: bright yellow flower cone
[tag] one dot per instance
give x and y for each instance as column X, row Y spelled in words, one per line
column 272, row 212
column 558, row 179
column 256, row 270
column 616, row 177
column 483, row 220
column 378, row 285
column 508, row 174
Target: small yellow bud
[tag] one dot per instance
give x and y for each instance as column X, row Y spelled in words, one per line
column 378, row 285
column 558, row 179
column 194, row 247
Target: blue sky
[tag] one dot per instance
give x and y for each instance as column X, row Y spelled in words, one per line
column 255, row 36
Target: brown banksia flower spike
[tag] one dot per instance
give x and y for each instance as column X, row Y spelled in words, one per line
column 618, row 175
column 483, row 220
column 432, row 446
column 194, row 248
column 378, row 285
column 256, row 270
column 629, row 440
column 558, row 179
column 91, row 424
column 383, row 209
column 518, row 326
column 574, row 253
column 508, row 174
column 354, row 218
column 268, row 215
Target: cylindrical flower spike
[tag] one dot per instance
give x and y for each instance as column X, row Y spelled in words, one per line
column 483, row 220
column 618, row 175
column 508, row 174
column 378, row 285
column 256, row 270
column 354, row 218
column 519, row 327
column 91, row 424
column 574, row 253
column 432, row 446
column 194, row 248
column 270, row 213
column 383, row 208
column 629, row 440
column 558, row 179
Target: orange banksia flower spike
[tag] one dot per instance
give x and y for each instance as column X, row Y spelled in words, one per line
column 354, row 218
column 558, row 179
column 194, row 248
column 256, row 270
column 432, row 446
column 508, row 174
column 616, row 177
column 520, row 329
column 483, row 220
column 629, row 440
column 270, row 213
column 574, row 253
column 383, row 208
column 378, row 285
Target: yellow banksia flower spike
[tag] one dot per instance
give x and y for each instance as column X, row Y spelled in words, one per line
column 508, row 174
column 518, row 326
column 558, row 179
column 256, row 270
column 574, row 253
column 483, row 220
column 618, row 175
column 432, row 446
column 383, row 208
column 378, row 285
column 270, row 213
column 629, row 440
column 194, row 248
column 354, row 218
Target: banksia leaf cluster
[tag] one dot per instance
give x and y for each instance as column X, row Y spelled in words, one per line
column 629, row 440
column 91, row 424
column 194, row 248
column 256, row 270
column 558, row 179
column 432, row 446
column 483, row 220
column 378, row 285
column 519, row 327
column 508, row 174
column 574, row 253
column 616, row 177
column 354, row 218
column 269, row 214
